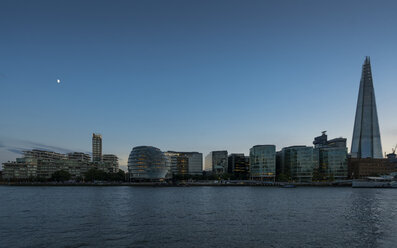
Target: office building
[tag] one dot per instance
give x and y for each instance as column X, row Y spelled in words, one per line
column 332, row 158
column 185, row 163
column 195, row 163
column 177, row 163
column 171, row 159
column 216, row 162
column 299, row 162
column 238, row 165
column 147, row 163
column 263, row 162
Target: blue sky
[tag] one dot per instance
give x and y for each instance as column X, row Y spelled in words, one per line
column 190, row 75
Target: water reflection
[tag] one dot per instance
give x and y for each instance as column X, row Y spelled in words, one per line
column 197, row 217
column 372, row 217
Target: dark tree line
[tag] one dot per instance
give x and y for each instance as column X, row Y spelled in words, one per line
column 61, row 176
column 64, row 176
column 99, row 175
column 210, row 176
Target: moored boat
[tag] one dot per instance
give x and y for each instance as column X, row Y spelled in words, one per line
column 289, row 186
column 375, row 182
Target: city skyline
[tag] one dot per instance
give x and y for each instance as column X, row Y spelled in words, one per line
column 186, row 123
column 215, row 85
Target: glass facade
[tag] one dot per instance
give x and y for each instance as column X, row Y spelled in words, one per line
column 263, row 162
column 366, row 141
column 238, row 165
column 333, row 162
column 183, row 163
column 177, row 163
column 195, row 163
column 147, row 163
column 216, row 162
column 299, row 162
column 171, row 159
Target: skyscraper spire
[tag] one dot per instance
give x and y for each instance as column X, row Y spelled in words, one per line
column 367, row 61
column 366, row 141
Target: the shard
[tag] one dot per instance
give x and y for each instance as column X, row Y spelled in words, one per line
column 366, row 136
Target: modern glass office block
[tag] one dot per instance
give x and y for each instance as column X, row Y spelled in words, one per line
column 238, row 165
column 216, row 162
column 263, row 162
column 299, row 162
column 333, row 162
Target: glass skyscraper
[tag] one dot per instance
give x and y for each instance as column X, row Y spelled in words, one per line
column 366, row 141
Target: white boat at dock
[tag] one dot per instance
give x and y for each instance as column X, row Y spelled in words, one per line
column 375, row 182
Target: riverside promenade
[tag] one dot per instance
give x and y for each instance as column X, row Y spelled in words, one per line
column 220, row 183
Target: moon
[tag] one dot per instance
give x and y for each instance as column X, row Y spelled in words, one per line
column 58, row 81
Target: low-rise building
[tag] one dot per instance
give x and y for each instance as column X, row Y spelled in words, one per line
column 366, row 167
column 40, row 164
column 21, row 169
column 48, row 162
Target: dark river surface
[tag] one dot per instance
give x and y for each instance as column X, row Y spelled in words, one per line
column 197, row 217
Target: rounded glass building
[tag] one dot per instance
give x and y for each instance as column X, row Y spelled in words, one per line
column 147, row 163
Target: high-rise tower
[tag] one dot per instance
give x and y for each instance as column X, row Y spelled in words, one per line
column 96, row 147
column 366, row 135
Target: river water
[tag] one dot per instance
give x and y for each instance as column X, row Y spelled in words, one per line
column 197, row 217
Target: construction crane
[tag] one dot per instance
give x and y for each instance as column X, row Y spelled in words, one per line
column 394, row 149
